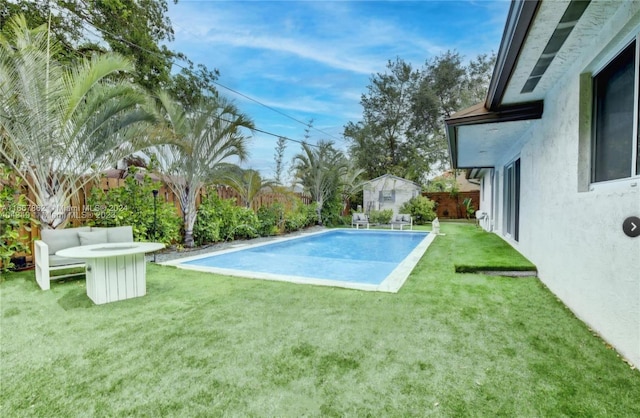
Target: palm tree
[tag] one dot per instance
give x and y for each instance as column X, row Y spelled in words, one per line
column 351, row 183
column 210, row 135
column 248, row 183
column 61, row 126
column 319, row 168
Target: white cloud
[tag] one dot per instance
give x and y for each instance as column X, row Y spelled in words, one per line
column 314, row 59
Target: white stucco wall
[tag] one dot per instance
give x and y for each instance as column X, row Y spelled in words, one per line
column 570, row 229
column 404, row 190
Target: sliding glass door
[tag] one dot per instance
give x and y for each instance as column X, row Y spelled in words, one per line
column 511, row 218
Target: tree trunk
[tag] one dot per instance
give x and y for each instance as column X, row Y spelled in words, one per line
column 188, row 239
column 319, row 211
column 52, row 213
column 189, row 222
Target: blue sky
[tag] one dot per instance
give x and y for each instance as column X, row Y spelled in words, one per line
column 314, row 59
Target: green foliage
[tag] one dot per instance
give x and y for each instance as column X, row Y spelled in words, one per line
column 469, row 208
column 207, row 136
column 214, row 219
column 221, row 219
column 248, row 183
column 442, row 184
column 13, row 216
column 332, row 211
column 300, row 216
column 132, row 204
column 246, row 224
column 421, row 209
column 271, row 219
column 278, row 157
column 61, row 120
column 403, row 112
column 319, row 169
column 380, row 216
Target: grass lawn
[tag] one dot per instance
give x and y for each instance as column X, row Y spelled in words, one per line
column 447, row 344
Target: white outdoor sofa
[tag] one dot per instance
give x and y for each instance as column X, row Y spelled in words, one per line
column 402, row 220
column 53, row 240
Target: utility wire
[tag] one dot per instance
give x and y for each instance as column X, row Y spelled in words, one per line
column 177, row 64
column 212, row 116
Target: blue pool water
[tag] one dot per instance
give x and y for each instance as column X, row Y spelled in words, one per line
column 366, row 257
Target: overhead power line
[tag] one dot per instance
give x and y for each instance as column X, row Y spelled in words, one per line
column 177, row 64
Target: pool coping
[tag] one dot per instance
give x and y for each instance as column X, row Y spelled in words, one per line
column 391, row 284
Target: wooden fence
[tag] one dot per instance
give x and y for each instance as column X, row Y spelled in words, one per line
column 80, row 212
column 451, row 206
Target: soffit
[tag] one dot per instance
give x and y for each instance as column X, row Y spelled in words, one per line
column 487, row 144
column 545, row 23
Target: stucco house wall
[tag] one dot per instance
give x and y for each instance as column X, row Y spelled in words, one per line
column 571, row 228
column 388, row 192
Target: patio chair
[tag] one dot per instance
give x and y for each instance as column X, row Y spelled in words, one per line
column 401, row 220
column 359, row 219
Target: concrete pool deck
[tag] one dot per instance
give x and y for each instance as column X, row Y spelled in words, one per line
column 392, row 283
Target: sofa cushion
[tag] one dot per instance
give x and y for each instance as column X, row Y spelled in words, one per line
column 117, row 233
column 59, row 239
column 93, row 237
column 406, row 218
column 56, row 260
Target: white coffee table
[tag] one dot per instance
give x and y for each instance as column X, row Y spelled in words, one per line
column 115, row 271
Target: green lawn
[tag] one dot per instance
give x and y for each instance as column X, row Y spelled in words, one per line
column 447, row 344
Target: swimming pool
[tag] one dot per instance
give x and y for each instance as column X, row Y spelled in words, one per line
column 362, row 259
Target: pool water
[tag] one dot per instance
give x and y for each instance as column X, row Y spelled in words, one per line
column 347, row 258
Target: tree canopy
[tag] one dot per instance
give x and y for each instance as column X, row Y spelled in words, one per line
column 319, row 169
column 62, row 125
column 402, row 127
column 135, row 29
column 205, row 139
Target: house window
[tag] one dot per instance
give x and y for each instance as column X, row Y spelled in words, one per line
column 387, row 195
column 511, row 218
column 615, row 137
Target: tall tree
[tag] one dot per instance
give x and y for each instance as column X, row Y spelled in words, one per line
column 366, row 149
column 281, row 146
column 137, row 29
column 402, row 131
column 319, row 168
column 211, row 135
column 386, row 112
column 62, row 125
column 351, row 183
column 446, row 86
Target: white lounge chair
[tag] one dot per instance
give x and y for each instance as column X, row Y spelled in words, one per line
column 359, row 219
column 401, row 220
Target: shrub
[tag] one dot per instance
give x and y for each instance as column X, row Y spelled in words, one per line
column 14, row 215
column 208, row 221
column 214, row 221
column 332, row 212
column 380, row 216
column 300, row 216
column 221, row 219
column 420, row 208
column 310, row 214
column 246, row 224
column 469, row 209
column 271, row 219
column 132, row 204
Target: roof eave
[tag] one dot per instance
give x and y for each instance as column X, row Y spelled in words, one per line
column 519, row 20
column 521, row 111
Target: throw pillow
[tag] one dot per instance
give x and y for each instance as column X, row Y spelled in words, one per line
column 93, row 237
